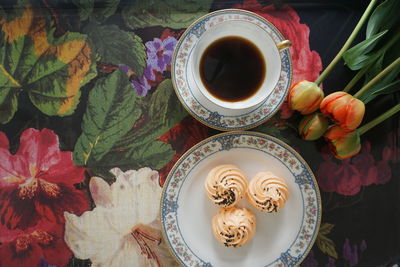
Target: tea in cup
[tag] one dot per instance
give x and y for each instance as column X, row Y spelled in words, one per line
column 237, row 64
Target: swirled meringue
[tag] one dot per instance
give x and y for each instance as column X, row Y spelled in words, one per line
column 225, row 185
column 234, row 226
column 267, row 192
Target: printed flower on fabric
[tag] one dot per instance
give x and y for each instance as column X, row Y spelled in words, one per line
column 39, row 244
column 347, row 176
column 306, row 63
column 37, row 182
column 352, row 253
column 159, row 53
column 127, row 228
column 142, row 84
column 159, row 58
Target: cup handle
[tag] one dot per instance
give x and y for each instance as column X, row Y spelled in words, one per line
column 284, row 44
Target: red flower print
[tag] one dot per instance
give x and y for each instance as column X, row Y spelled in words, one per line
column 26, row 248
column 350, row 182
column 3, row 141
column 384, row 172
column 306, row 63
column 365, row 163
column 342, row 178
column 393, row 146
column 347, row 176
column 286, row 111
column 37, row 182
column 182, row 137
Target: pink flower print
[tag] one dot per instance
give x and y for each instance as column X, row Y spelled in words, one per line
column 365, row 164
column 40, row 178
column 384, row 172
column 343, row 178
column 393, row 146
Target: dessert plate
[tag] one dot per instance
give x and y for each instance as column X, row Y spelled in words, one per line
column 202, row 108
column 282, row 239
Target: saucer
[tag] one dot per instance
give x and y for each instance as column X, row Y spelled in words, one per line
column 202, row 108
column 283, row 238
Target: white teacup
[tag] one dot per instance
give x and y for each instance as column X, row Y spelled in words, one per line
column 263, row 41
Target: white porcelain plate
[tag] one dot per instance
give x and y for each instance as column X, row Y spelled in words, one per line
column 197, row 104
column 282, row 239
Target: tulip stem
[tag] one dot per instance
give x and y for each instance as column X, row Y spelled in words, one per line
column 377, row 78
column 357, row 77
column 379, row 119
column 347, row 44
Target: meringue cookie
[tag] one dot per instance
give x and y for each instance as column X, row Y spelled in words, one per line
column 234, row 227
column 267, row 192
column 225, row 185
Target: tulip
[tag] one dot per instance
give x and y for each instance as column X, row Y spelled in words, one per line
column 344, row 109
column 313, row 126
column 305, row 97
column 343, row 143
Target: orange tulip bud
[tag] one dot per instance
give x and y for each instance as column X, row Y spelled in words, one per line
column 305, row 97
column 313, row 126
column 343, row 143
column 344, row 109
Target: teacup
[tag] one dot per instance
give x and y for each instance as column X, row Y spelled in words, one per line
column 255, row 34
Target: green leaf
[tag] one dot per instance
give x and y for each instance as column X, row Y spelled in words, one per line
column 139, row 147
column 326, row 228
column 106, row 8
column 97, row 10
column 375, row 66
column 51, row 70
column 327, row 246
column 357, row 56
column 117, row 46
column 383, row 57
column 153, row 154
column 111, row 112
column 376, row 91
column 162, row 112
column 383, row 18
column 9, row 104
column 85, row 8
column 173, row 14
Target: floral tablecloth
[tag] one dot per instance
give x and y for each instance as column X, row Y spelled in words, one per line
column 90, row 127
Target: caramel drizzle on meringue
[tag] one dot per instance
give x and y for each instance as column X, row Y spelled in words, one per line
column 225, row 185
column 268, row 192
column 234, row 227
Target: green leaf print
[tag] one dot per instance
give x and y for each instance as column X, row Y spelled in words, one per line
column 326, row 228
column 173, row 14
column 85, row 8
column 117, row 46
column 140, row 147
column 51, row 70
column 325, row 244
column 111, row 112
column 93, row 10
column 162, row 112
